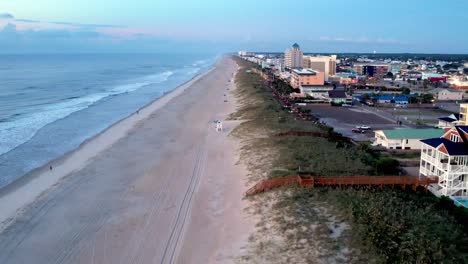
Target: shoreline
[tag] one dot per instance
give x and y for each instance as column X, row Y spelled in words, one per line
column 20, row 193
column 170, row 183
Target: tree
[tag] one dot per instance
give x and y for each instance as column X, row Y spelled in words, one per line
column 425, row 83
column 405, row 90
column 365, row 97
column 427, row 98
column 413, row 100
column 389, row 75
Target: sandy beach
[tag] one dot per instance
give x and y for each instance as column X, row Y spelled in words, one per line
column 161, row 186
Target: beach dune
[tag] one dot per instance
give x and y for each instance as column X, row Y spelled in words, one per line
column 162, row 187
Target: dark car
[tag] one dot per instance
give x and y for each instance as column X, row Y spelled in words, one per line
column 357, row 130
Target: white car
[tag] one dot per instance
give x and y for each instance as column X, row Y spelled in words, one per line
column 363, row 127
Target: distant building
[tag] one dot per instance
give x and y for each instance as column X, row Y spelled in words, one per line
column 433, row 77
column 316, row 91
column 242, row 53
column 395, row 68
column 325, row 64
column 448, row 121
column 388, row 98
column 338, row 97
column 443, row 94
column 300, row 77
column 459, row 85
column 401, row 100
column 447, row 158
column 345, row 78
column 414, row 75
column 407, row 138
column 293, row 58
column 463, row 116
column 371, row 69
column 385, row 99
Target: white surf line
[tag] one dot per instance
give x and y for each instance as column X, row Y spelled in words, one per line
column 13, row 199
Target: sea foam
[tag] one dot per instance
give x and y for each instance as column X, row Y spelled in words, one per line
column 16, row 131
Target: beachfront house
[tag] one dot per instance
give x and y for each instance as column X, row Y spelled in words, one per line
column 448, row 121
column 405, row 138
column 447, row 158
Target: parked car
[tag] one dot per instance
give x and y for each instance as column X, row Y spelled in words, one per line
column 363, row 127
column 358, row 131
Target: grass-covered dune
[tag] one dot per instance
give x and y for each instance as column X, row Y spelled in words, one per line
column 333, row 225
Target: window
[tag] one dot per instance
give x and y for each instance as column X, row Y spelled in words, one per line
column 454, row 137
column 407, row 141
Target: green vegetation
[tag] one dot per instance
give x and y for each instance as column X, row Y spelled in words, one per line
column 405, row 90
column 402, row 227
column 301, row 225
column 386, row 166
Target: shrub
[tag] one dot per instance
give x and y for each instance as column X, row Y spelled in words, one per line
column 386, row 166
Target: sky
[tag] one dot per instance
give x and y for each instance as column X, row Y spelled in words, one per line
column 152, row 26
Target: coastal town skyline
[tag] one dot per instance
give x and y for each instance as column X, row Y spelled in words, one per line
column 211, row 26
column 208, row 131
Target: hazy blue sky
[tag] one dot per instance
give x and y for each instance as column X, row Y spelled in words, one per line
column 431, row 26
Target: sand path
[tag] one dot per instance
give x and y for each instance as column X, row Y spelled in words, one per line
column 167, row 192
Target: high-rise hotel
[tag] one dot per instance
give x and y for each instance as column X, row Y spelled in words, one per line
column 293, row 57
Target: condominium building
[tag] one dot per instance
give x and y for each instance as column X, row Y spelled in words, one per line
column 325, row 64
column 371, row 69
column 447, row 158
column 293, row 57
column 306, row 77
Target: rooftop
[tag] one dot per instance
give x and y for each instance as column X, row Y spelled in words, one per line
column 337, row 94
column 305, row 71
column 455, row 149
column 436, row 90
column 413, row 133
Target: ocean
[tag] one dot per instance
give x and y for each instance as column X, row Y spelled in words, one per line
column 50, row 104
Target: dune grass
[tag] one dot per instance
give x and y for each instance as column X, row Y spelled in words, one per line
column 332, row 225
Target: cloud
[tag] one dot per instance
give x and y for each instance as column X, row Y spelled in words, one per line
column 6, row 16
column 86, row 25
column 359, row 40
column 28, row 20
column 30, row 24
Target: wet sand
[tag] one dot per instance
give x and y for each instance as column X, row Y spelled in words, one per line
column 162, row 187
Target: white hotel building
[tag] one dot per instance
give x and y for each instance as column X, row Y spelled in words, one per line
column 293, row 57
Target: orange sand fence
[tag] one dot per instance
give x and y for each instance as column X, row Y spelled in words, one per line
column 379, row 181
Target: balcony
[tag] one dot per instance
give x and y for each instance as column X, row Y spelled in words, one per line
column 458, row 169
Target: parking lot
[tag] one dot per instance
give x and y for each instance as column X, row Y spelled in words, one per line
column 344, row 119
column 417, row 116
